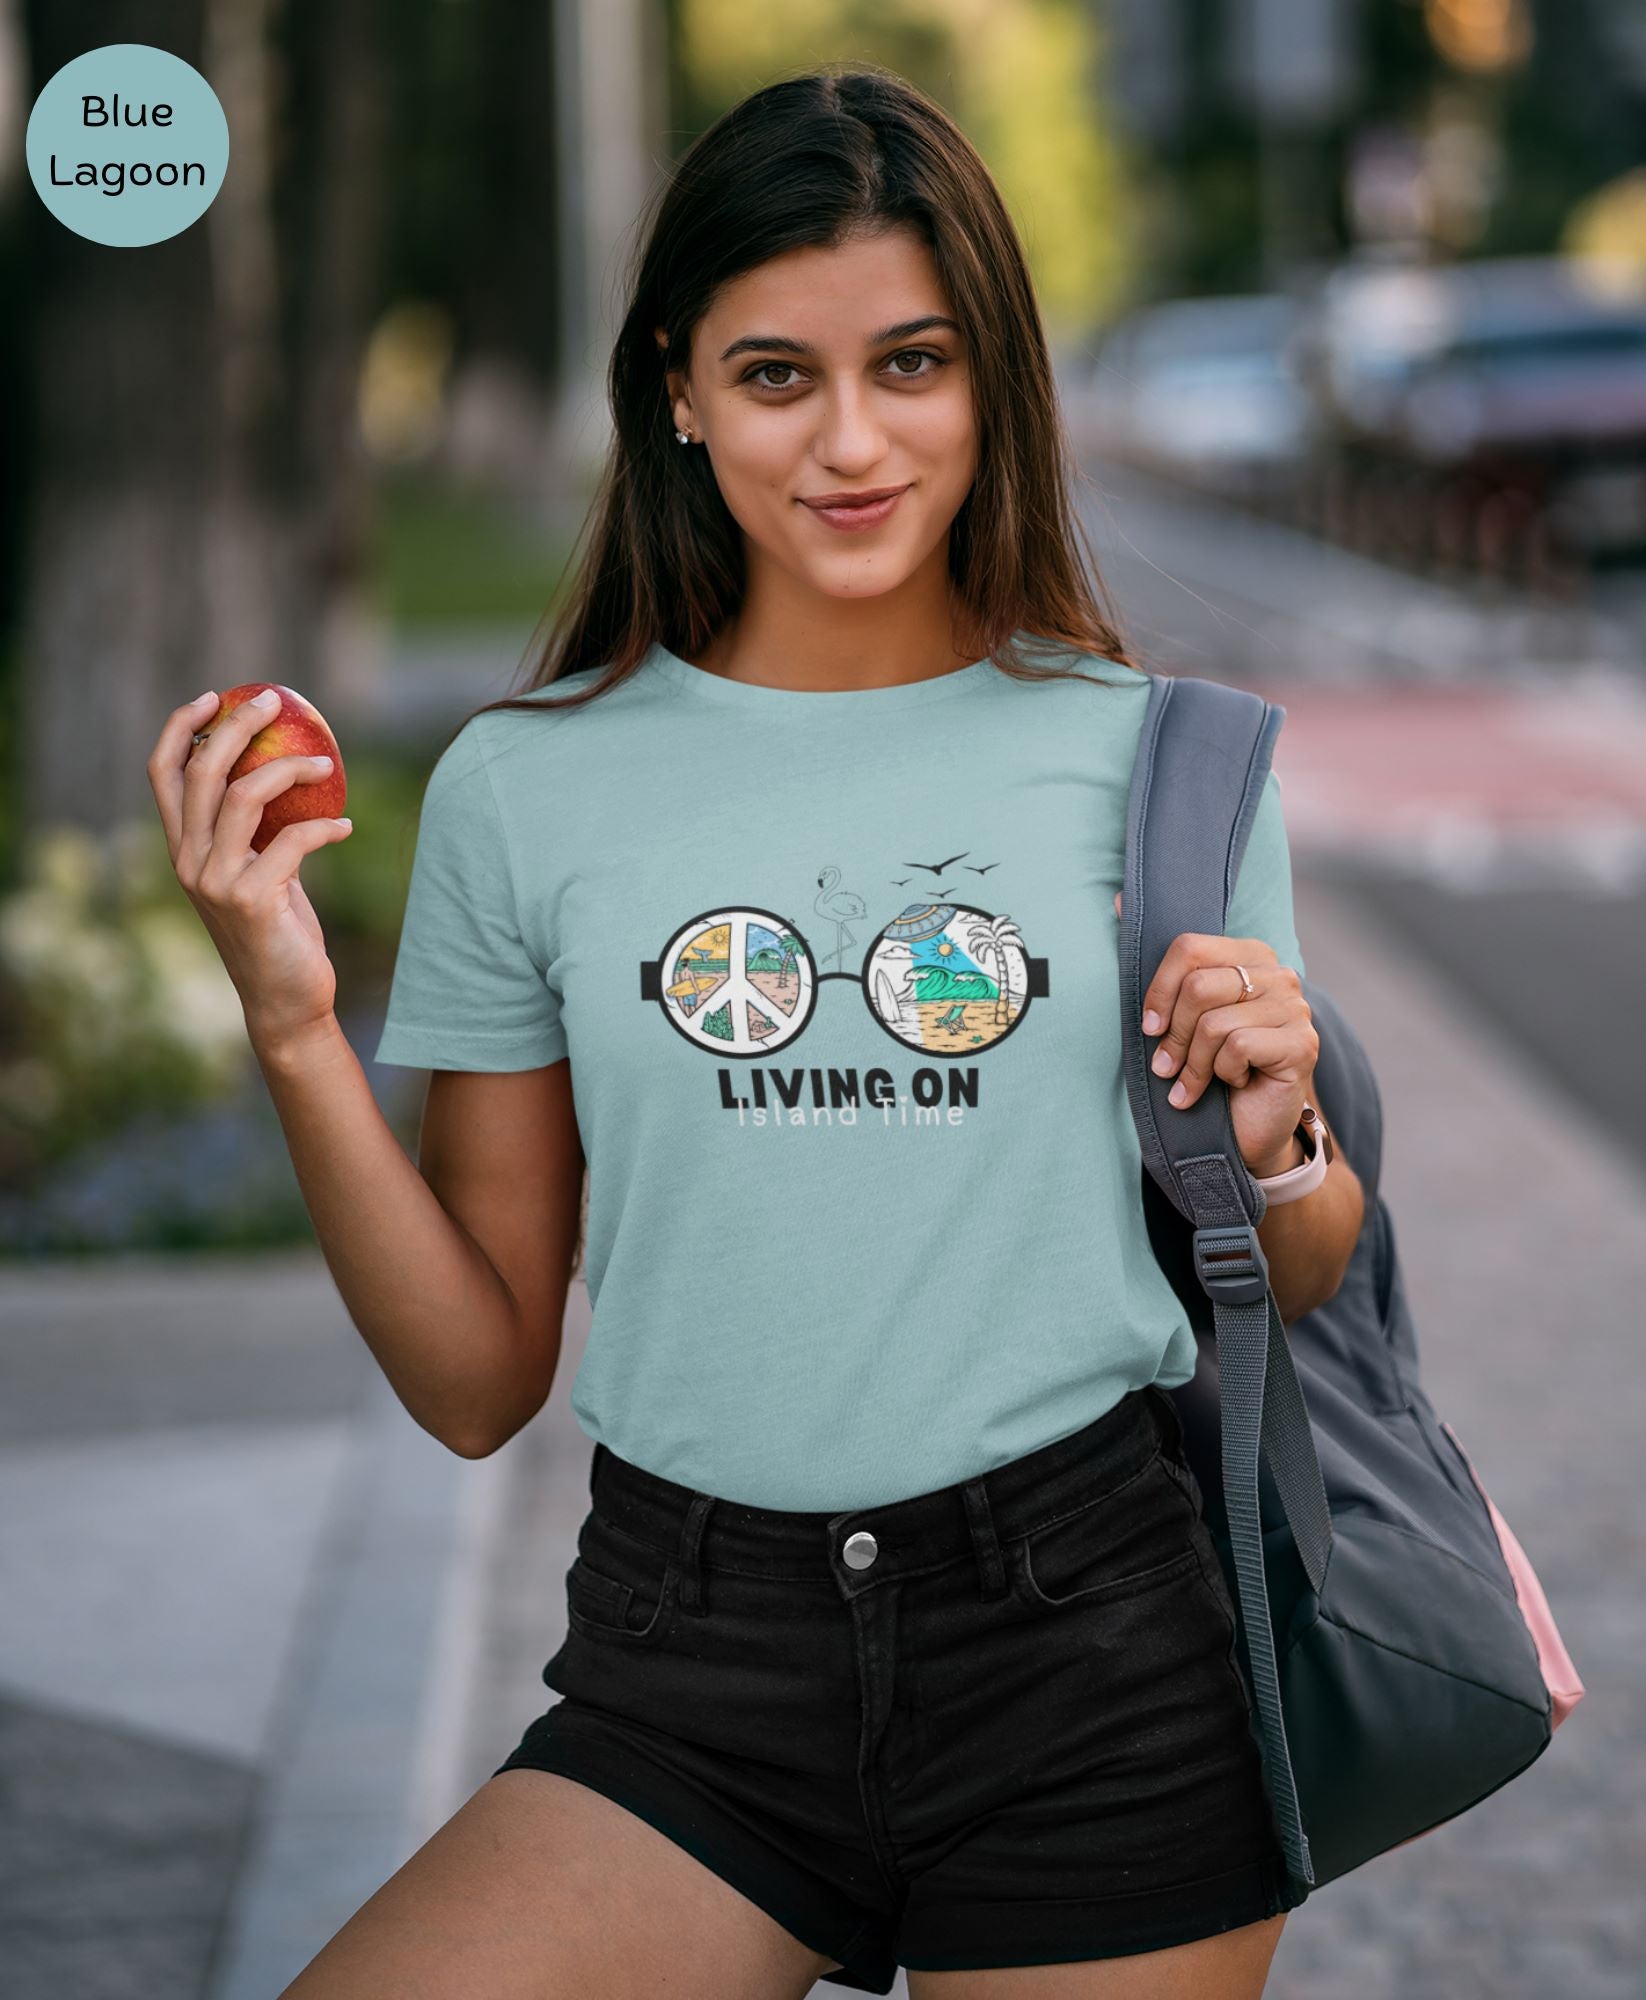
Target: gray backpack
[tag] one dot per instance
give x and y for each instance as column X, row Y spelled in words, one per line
column 1398, row 1648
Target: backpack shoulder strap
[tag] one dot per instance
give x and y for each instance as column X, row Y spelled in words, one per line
column 1202, row 760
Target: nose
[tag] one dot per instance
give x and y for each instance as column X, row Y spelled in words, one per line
column 849, row 440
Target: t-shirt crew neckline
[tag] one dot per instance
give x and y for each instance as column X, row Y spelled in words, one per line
column 835, row 701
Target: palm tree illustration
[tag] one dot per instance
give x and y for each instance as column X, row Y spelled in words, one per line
column 789, row 945
column 840, row 907
column 998, row 933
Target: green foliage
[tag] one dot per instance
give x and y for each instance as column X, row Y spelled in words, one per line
column 453, row 556
column 358, row 886
column 113, row 997
column 132, row 1113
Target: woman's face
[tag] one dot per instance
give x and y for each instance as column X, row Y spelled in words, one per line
column 835, row 372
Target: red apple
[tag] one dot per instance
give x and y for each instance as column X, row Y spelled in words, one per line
column 297, row 728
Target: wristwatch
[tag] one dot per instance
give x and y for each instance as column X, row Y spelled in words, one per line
column 1301, row 1180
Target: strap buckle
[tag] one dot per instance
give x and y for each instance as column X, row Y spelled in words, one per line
column 1230, row 1264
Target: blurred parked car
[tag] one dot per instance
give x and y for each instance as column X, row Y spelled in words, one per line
column 1512, row 376
column 1203, row 390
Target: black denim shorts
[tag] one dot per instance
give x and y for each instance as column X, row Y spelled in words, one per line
column 1000, row 1723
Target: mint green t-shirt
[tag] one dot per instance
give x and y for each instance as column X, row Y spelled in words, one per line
column 837, row 977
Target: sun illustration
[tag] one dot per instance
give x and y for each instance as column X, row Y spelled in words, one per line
column 945, row 949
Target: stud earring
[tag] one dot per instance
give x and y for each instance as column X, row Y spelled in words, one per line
column 684, row 436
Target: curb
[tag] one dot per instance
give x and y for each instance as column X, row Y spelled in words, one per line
column 363, row 1761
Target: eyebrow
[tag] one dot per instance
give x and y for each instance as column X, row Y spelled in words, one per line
column 784, row 344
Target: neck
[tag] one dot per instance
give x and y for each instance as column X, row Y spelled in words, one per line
column 826, row 645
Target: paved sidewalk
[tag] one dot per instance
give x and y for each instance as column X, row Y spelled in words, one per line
column 176, row 1436
column 264, row 1635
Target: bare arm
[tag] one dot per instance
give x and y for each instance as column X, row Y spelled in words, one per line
column 454, row 1270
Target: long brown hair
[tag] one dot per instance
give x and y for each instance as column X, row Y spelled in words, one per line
column 802, row 163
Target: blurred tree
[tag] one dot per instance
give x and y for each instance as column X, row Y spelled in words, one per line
column 1246, row 164
column 1513, row 111
column 196, row 508
column 472, row 172
column 473, row 233
column 1570, row 118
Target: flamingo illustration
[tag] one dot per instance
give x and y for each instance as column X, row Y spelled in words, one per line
column 839, row 906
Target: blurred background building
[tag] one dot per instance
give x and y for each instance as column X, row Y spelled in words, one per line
column 1348, row 302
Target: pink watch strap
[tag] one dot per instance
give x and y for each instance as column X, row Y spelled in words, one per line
column 1300, row 1180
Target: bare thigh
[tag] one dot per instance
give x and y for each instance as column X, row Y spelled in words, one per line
column 1234, row 1965
column 542, row 1889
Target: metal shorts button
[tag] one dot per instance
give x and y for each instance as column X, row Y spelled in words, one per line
column 860, row 1549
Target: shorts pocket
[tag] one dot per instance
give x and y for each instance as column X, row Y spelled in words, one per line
column 618, row 1588
column 1130, row 1540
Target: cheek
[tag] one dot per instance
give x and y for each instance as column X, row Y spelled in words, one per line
column 941, row 440
column 758, row 466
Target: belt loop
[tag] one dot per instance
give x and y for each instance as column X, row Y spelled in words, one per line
column 693, row 1598
column 594, row 1465
column 991, row 1567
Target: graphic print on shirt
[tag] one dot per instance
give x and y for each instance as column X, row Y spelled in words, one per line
column 941, row 977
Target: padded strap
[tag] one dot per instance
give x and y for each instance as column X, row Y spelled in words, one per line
column 1243, row 1350
column 1202, row 762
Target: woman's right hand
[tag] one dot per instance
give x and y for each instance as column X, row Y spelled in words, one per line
column 253, row 905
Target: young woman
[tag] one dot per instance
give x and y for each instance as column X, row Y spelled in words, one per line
column 785, row 897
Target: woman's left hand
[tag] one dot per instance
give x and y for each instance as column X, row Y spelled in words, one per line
column 1264, row 1047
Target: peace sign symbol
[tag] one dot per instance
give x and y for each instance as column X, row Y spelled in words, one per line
column 735, row 981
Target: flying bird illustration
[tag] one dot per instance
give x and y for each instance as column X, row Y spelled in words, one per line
column 901, row 882
column 973, row 867
column 937, row 867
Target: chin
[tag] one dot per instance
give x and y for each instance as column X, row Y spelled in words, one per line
column 859, row 583
column 859, row 568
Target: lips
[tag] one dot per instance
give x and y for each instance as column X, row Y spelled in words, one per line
column 854, row 513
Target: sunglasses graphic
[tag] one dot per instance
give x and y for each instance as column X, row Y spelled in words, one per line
column 943, row 978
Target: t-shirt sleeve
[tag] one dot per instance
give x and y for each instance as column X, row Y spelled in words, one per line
column 1261, row 905
column 467, row 993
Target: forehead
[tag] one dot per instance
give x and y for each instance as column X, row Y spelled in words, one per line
column 835, row 298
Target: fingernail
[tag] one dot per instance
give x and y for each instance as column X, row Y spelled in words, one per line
column 1177, row 1093
column 1162, row 1064
column 1152, row 1023
column 209, row 695
column 264, row 699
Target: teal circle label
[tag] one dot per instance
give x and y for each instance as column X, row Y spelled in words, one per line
column 127, row 145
